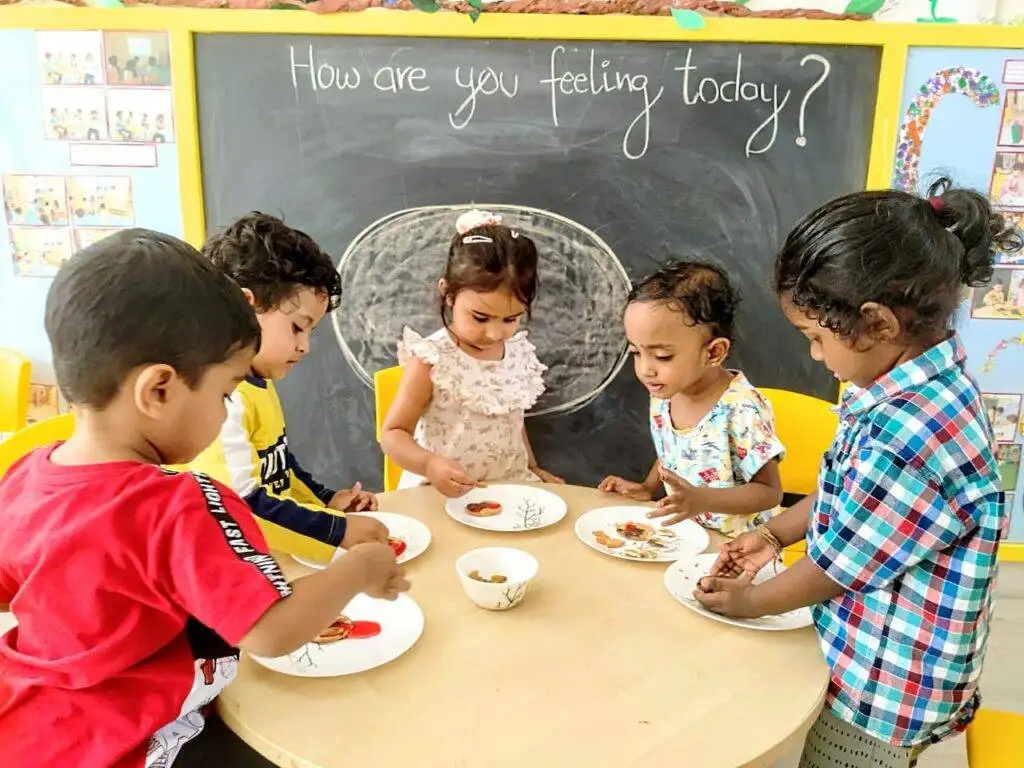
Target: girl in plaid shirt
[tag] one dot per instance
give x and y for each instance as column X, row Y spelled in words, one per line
column 903, row 531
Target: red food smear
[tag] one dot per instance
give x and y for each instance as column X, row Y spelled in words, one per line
column 363, row 629
column 397, row 546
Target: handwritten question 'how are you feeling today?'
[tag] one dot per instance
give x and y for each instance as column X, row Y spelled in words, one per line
column 583, row 73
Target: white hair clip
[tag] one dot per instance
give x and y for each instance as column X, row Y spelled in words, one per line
column 515, row 235
column 476, row 239
column 475, row 218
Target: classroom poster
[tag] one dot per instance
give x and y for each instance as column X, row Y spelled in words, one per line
column 68, row 177
column 963, row 116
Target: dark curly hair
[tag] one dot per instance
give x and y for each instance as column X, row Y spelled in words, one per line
column 272, row 260
column 139, row 298
column 699, row 290
column 908, row 253
column 487, row 258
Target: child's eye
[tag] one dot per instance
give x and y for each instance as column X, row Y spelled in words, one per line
column 297, row 328
column 480, row 319
column 663, row 358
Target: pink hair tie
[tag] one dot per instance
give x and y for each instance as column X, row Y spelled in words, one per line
column 475, row 218
column 936, row 203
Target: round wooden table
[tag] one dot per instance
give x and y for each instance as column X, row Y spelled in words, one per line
column 599, row 666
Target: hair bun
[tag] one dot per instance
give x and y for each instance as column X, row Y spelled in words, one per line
column 475, row 218
column 982, row 232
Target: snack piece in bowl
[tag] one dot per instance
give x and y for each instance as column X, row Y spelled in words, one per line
column 495, row 579
column 483, row 508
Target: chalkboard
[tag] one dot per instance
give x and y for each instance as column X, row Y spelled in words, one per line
column 614, row 156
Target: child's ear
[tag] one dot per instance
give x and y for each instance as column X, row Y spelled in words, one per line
column 718, row 350
column 154, row 387
column 250, row 297
column 880, row 322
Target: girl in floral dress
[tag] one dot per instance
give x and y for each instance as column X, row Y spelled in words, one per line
column 457, row 420
column 713, row 432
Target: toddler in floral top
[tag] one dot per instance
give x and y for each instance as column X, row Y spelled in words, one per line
column 713, row 432
column 458, row 417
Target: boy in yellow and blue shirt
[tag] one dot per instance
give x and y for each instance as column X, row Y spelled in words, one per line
column 291, row 284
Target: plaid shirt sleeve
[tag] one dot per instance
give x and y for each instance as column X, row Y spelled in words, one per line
column 889, row 516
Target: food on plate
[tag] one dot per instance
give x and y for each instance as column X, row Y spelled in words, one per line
column 641, row 553
column 343, row 627
column 605, row 540
column 483, row 508
column 635, row 531
column 495, row 579
column 397, row 545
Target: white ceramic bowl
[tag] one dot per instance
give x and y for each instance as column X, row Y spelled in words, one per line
column 516, row 566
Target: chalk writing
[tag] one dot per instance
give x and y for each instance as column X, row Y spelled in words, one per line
column 483, row 81
column 579, row 76
column 597, row 80
column 393, row 78
column 709, row 91
column 323, row 76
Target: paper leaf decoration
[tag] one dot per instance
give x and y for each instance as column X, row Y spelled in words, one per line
column 687, row 19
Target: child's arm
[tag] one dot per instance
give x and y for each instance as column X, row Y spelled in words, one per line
column 318, row 599
column 543, row 474
column 396, row 440
column 234, row 461
column 890, row 515
column 210, row 559
column 644, row 491
column 764, row 491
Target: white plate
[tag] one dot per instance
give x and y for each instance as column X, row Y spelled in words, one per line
column 523, row 508
column 682, row 540
column 681, row 579
column 401, row 624
column 414, row 533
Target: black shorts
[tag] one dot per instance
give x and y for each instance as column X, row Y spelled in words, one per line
column 218, row 746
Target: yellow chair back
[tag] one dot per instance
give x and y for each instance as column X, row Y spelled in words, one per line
column 42, row 433
column 385, row 387
column 15, row 374
column 994, row 739
column 806, row 427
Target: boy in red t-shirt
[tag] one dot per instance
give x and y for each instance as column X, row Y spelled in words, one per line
column 132, row 585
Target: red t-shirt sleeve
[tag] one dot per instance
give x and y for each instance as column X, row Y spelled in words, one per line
column 216, row 562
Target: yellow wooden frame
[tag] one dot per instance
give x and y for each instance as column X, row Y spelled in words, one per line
column 895, row 40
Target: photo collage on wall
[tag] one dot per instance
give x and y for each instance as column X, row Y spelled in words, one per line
column 107, row 96
column 49, row 218
column 1003, row 297
column 106, row 86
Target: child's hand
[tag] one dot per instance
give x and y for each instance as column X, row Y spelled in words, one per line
column 547, row 477
column 449, row 477
column 363, row 530
column 627, row 488
column 681, row 504
column 747, row 553
column 729, row 597
column 384, row 577
column 354, row 500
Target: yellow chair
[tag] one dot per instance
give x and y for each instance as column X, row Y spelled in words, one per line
column 39, row 434
column 994, row 740
column 15, row 373
column 385, row 387
column 806, row 427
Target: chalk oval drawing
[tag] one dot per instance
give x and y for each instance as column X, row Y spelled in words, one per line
column 389, row 276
